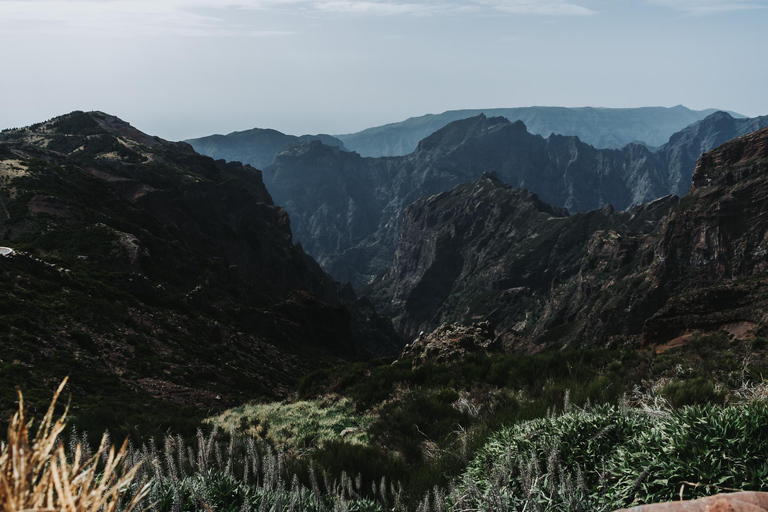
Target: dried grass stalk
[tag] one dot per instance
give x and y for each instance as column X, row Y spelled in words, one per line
column 37, row 477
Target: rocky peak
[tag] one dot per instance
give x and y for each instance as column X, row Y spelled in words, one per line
column 733, row 162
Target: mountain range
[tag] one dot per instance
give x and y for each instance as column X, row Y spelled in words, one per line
column 155, row 275
column 487, row 252
column 346, row 209
column 598, row 127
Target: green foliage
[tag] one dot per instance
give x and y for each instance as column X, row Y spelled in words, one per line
column 297, row 425
column 692, row 392
column 610, row 457
column 421, row 415
column 371, row 462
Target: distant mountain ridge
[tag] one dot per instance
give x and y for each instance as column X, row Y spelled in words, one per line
column 256, row 147
column 346, row 209
column 599, row 127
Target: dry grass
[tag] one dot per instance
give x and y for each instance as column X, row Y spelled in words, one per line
column 36, row 476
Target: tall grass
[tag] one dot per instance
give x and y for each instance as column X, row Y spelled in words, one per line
column 582, row 459
column 593, row 458
column 236, row 473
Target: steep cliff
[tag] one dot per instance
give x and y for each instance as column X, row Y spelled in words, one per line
column 485, row 251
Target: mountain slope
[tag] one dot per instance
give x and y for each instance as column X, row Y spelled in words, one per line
column 256, row 147
column 598, row 127
column 346, row 209
column 146, row 270
column 657, row 273
column 685, row 147
column 487, row 251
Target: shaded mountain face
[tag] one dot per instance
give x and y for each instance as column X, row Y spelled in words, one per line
column 485, row 251
column 685, row 147
column 488, row 252
column 141, row 267
column 598, row 127
column 256, row 147
column 346, row 209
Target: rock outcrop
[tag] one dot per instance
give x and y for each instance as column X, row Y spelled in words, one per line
column 735, row 502
column 451, row 342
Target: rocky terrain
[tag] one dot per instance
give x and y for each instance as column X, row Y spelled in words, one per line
column 166, row 274
column 726, row 502
column 656, row 273
column 451, row 342
column 599, row 127
column 346, row 210
column 488, row 251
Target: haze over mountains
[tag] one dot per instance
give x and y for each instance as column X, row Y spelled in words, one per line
column 256, row 147
column 346, row 209
column 598, row 127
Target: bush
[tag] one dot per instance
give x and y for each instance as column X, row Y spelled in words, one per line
column 692, row 392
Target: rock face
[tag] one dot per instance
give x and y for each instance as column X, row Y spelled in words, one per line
column 346, row 210
column 712, row 249
column 736, row 502
column 142, row 261
column 599, row 127
column 487, row 252
column 685, row 147
column 256, row 147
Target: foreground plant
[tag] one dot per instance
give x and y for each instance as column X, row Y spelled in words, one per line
column 36, row 476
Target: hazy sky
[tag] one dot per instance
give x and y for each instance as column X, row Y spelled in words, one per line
column 181, row 69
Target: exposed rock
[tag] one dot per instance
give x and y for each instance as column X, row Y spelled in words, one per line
column 487, row 251
column 736, row 502
column 451, row 342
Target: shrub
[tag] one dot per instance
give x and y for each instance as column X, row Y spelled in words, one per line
column 692, row 392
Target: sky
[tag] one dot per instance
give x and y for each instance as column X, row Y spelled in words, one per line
column 188, row 68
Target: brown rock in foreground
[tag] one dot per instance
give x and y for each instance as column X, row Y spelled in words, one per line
column 736, row 502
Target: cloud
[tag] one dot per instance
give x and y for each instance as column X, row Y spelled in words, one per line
column 118, row 18
column 381, row 8
column 704, row 7
column 103, row 18
column 540, row 7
